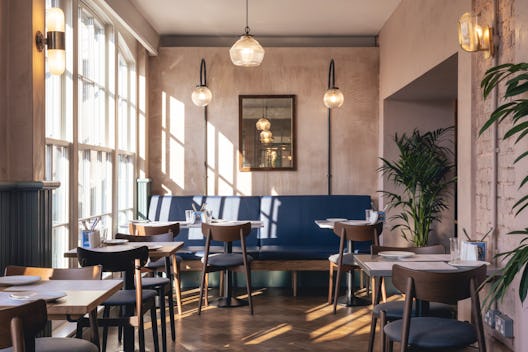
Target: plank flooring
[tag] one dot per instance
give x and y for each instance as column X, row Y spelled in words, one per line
column 280, row 323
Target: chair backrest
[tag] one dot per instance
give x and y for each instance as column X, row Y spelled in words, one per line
column 444, row 287
column 435, row 249
column 356, row 232
column 21, row 323
column 164, row 237
column 141, row 229
column 118, row 261
column 86, row 273
column 226, row 233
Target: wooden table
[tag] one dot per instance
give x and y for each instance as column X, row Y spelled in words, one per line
column 377, row 266
column 140, row 226
column 82, row 297
column 167, row 251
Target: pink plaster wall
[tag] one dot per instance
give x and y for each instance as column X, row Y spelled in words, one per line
column 176, row 146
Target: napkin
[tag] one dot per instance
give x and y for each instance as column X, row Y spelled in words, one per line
column 468, row 251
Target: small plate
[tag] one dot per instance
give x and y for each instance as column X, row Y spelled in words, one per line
column 48, row 296
column 15, row 280
column 468, row 263
column 336, row 219
column 153, row 247
column 357, row 222
column 396, row 254
column 116, row 241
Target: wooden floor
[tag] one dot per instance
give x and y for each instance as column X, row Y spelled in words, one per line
column 280, row 323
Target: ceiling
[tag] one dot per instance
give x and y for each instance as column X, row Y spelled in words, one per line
column 267, row 17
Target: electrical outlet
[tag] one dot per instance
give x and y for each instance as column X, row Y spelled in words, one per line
column 489, row 317
column 503, row 324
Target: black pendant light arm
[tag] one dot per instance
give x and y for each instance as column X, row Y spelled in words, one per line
column 331, row 75
column 246, row 29
column 203, row 74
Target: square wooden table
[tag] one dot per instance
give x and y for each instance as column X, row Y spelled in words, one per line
column 82, row 297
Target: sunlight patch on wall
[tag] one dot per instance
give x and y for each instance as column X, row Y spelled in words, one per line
column 142, row 126
column 163, row 132
column 225, row 165
column 244, row 183
column 177, row 142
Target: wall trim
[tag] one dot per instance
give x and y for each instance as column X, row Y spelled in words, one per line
column 268, row 41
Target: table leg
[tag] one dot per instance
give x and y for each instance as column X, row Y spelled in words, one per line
column 228, row 301
column 92, row 316
column 350, row 300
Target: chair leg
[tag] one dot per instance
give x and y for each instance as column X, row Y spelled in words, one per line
column 141, row 331
column 372, row 335
column 163, row 319
column 171, row 312
column 249, row 290
column 202, row 288
column 154, row 321
column 330, row 283
column 206, row 289
column 336, row 289
column 383, row 338
column 294, row 283
column 106, row 313
column 383, row 290
column 177, row 287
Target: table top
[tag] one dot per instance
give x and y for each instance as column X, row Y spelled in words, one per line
column 167, row 249
column 375, row 265
column 186, row 225
column 82, row 296
column 329, row 224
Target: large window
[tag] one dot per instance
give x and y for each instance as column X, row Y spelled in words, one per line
column 91, row 119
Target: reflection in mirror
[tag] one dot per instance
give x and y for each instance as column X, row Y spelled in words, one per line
column 267, row 132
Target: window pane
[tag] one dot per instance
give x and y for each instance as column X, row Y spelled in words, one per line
column 125, row 187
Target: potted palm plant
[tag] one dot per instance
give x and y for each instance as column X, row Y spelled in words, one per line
column 422, row 174
column 515, row 79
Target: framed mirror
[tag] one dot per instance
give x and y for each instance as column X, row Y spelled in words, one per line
column 267, row 132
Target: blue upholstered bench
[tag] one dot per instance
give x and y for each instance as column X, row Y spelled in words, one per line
column 289, row 241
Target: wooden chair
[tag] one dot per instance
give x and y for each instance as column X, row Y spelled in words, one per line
column 20, row 325
column 394, row 310
column 87, row 273
column 162, row 285
column 345, row 261
column 133, row 298
column 433, row 333
column 227, row 260
column 146, row 229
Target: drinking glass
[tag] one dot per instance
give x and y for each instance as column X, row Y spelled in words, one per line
column 454, row 249
column 368, row 214
column 189, row 216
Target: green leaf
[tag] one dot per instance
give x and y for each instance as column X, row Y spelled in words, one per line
column 516, row 129
column 523, row 285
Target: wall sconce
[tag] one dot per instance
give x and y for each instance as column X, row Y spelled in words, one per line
column 201, row 95
column 473, row 37
column 333, row 98
column 54, row 40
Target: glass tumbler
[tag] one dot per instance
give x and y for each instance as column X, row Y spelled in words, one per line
column 454, row 249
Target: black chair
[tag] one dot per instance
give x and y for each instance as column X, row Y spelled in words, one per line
column 20, row 325
column 226, row 261
column 434, row 333
column 345, row 261
column 394, row 310
column 135, row 301
column 162, row 285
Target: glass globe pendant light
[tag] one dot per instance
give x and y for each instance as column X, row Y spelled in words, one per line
column 246, row 51
column 201, row 95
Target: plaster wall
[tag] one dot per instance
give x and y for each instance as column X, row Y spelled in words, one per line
column 403, row 117
column 176, row 126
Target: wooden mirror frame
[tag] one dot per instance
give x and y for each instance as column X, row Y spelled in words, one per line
column 283, row 146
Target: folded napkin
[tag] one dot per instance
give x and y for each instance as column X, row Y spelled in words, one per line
column 468, row 251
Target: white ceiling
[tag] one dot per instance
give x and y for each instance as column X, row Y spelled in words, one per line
column 267, row 17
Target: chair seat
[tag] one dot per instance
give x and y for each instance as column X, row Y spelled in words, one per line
column 429, row 332
column 60, row 344
column 394, row 310
column 160, row 263
column 125, row 297
column 149, row 282
column 227, row 259
column 348, row 259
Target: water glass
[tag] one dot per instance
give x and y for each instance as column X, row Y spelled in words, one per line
column 454, row 249
column 368, row 214
column 189, row 216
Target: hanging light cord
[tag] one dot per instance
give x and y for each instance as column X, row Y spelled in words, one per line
column 203, row 74
column 331, row 75
column 247, row 15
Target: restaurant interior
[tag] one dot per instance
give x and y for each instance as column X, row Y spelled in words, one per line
column 252, row 136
